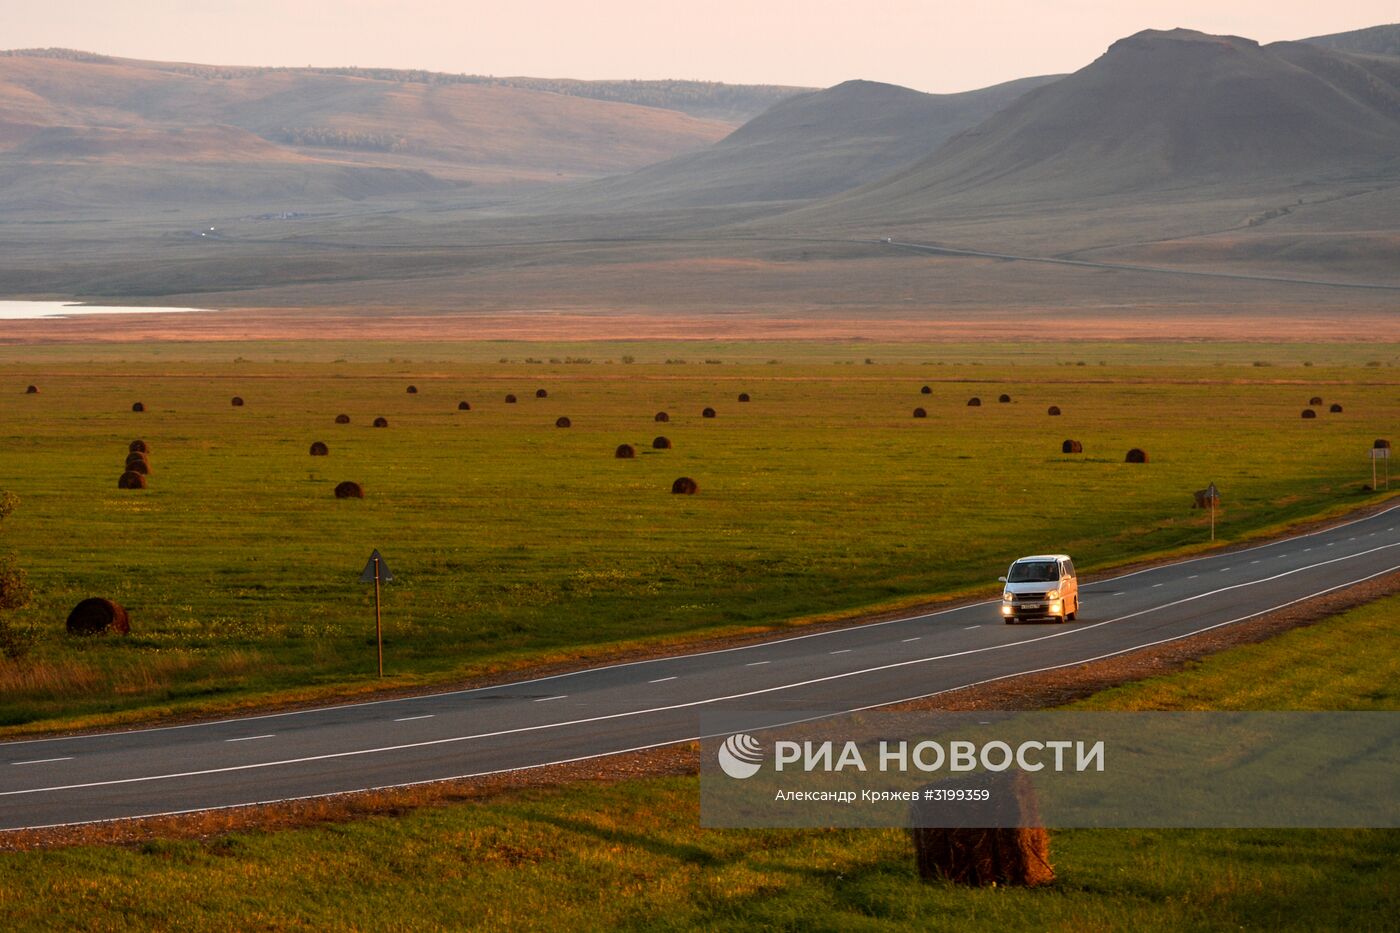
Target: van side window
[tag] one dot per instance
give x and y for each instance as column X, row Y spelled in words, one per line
column 1069, row 568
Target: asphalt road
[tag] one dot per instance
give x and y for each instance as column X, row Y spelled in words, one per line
column 645, row 704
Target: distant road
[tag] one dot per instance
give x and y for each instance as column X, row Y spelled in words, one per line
column 1127, row 267
column 645, row 704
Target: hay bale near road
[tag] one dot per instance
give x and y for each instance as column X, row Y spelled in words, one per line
column 708, row 413
column 131, row 480
column 685, row 486
column 1308, row 413
column 661, row 443
column 926, row 390
column 1335, row 409
column 1003, row 398
column 97, row 616
column 464, row 406
column 381, row 422
column 974, row 402
column 541, row 393
column 137, row 456
column 743, row 396
column 319, row 449
column 140, row 465
column 949, row 846
column 1315, row 400
column 661, row 417
column 1136, row 455
column 31, row 390
column 625, row 452
column 510, row 399
column 349, row 490
column 563, row 422
column 139, row 446
column 1072, row 447
column 237, row 401
column 412, row 390
column 1380, row 443
column 137, row 406
column 920, row 413
column 342, row 419
column 1053, row 410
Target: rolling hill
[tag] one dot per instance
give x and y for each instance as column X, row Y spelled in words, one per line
column 1377, row 40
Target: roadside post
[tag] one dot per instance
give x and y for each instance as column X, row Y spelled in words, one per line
column 1213, row 495
column 376, row 571
column 1380, row 453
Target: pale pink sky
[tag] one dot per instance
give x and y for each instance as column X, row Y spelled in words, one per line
column 932, row 46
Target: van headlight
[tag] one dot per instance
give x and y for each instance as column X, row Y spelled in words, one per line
column 1053, row 594
column 1008, row 596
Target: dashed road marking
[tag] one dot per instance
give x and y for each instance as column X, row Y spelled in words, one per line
column 411, row 718
column 547, row 699
column 915, row 638
column 40, row 761
column 841, row 651
column 249, row 738
column 660, row 680
column 757, row 663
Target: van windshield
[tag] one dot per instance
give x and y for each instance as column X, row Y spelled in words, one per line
column 1034, row 571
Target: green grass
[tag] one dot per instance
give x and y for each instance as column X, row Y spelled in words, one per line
column 632, row 856
column 513, row 540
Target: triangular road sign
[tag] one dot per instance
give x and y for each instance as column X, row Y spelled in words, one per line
column 384, row 573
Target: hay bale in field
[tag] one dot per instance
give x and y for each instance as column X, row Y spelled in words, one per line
column 1380, row 443
column 381, row 422
column 926, row 390
column 1072, row 447
column 342, row 419
column 625, row 452
column 661, row 416
column 131, row 480
column 1204, row 500
column 949, row 845
column 412, row 390
column 1309, row 413
column 661, row 443
column 541, row 393
column 974, row 402
column 137, row 406
column 1315, row 400
column 136, row 455
column 31, row 390
column 140, row 465
column 707, row 413
column 1136, row 455
column 237, row 401
column 97, row 616
column 562, row 422
column 319, row 449
column 1335, row 409
column 464, row 406
column 349, row 490
column 920, row 413
column 139, row 446
column 1053, row 410
column 1003, row 398
column 510, row 399
column 685, row 486
column 743, row 396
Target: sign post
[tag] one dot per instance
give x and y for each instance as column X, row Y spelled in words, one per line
column 1213, row 495
column 377, row 571
column 1380, row 453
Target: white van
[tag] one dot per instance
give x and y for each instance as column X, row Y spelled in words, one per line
column 1040, row 587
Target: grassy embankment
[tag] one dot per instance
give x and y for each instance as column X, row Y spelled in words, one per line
column 516, row 541
column 630, row 856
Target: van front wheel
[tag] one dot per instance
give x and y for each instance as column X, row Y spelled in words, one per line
column 1070, row 617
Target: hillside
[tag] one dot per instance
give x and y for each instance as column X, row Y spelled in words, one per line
column 808, row 146
column 1377, row 40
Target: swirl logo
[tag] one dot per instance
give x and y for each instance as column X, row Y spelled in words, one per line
column 741, row 756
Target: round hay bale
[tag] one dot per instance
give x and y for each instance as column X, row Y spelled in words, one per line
column 1315, row 400
column 541, row 393
column 562, row 422
column 625, row 452
column 1003, row 398
column 1053, row 410
column 319, row 449
column 97, row 616
column 926, row 391
column 238, row 401
column 708, row 413
column 31, row 390
column 661, row 416
column 685, row 486
column 342, row 419
column 349, row 490
column 464, row 406
column 920, row 413
column 743, row 396
column 1380, row 443
column 140, row 465
column 381, row 422
column 1136, row 455
column 412, row 390
column 953, row 844
column 137, row 406
column 510, row 399
column 131, row 480
column 139, row 446
column 1335, row 409
column 661, row 443
column 974, row 402
column 1071, row 447
column 1309, row 413
column 137, row 456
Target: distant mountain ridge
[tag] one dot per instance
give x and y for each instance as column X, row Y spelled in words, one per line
column 1377, row 40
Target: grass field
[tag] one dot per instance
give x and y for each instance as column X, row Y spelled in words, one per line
column 631, row 855
column 513, row 540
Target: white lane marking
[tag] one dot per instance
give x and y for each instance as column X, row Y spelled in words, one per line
column 971, row 627
column 757, row 663
column 249, row 738
column 915, row 638
column 683, row 656
column 841, row 651
column 547, row 699
column 41, row 761
column 1223, row 570
column 411, row 718
column 1254, row 562
column 450, row 740
column 676, row 741
column 1155, row 585
column 1193, row 576
column 1331, row 543
column 1119, row 593
column 660, row 680
column 1307, row 549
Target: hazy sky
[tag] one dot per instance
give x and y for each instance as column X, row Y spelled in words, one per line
column 933, row 46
